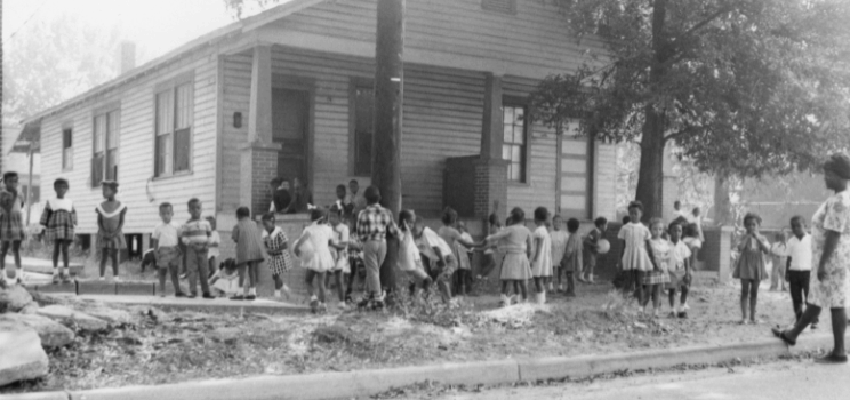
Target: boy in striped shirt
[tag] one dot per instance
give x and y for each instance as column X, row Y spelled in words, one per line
column 195, row 237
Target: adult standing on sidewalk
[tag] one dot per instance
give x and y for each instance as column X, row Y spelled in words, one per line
column 830, row 282
column 373, row 224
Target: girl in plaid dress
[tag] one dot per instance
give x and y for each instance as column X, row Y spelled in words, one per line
column 660, row 255
column 11, row 225
column 277, row 253
column 58, row 219
column 110, row 222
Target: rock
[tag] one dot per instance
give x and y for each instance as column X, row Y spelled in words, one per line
column 31, row 308
column 52, row 333
column 70, row 317
column 112, row 317
column 23, row 357
column 14, row 299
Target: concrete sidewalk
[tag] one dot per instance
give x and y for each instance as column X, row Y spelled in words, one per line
column 217, row 305
column 363, row 383
column 40, row 265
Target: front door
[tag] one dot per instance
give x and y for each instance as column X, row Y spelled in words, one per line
column 291, row 113
column 574, row 184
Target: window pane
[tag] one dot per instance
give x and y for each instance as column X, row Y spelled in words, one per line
column 67, row 158
column 114, row 130
column 97, row 169
column 163, row 155
column 67, row 136
column 183, row 118
column 509, row 115
column 164, row 114
column 506, row 152
column 364, row 127
column 112, row 164
column 99, row 131
column 516, row 155
column 182, row 149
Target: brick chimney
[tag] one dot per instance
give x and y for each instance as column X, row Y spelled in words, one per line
column 127, row 60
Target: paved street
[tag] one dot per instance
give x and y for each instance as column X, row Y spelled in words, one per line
column 791, row 380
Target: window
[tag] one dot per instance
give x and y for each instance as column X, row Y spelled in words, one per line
column 516, row 141
column 363, row 104
column 67, row 149
column 173, row 126
column 36, row 193
column 502, row 6
column 105, row 158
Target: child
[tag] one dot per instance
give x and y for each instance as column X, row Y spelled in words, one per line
column 750, row 268
column 212, row 249
column 456, row 243
column 635, row 256
column 488, row 259
column 571, row 261
column 778, row 261
column 11, row 226
column 339, row 251
column 277, row 253
column 321, row 237
column 680, row 271
column 195, row 235
column 541, row 263
column 690, row 233
column 799, row 267
column 339, row 204
column 467, row 238
column 437, row 258
column 58, row 219
column 165, row 240
column 515, row 243
column 226, row 280
column 355, row 264
column 559, row 246
column 249, row 253
column 591, row 247
column 110, row 222
column 658, row 277
column 409, row 260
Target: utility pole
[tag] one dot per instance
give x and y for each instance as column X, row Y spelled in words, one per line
column 386, row 142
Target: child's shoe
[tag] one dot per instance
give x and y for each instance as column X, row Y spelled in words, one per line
column 116, row 279
column 101, row 279
column 55, row 278
column 66, row 278
column 208, row 296
column 237, row 297
column 314, row 304
column 341, row 306
column 504, row 301
column 683, row 315
column 179, row 294
column 277, row 294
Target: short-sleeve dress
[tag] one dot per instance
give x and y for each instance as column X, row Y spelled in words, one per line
column 341, row 235
column 661, row 254
column 542, row 268
column 573, row 254
column 11, row 222
column 320, row 236
column 751, row 263
column 249, row 243
column 277, row 253
column 559, row 245
column 679, row 252
column 59, row 218
column 451, row 236
column 635, row 257
column 513, row 242
column 110, row 236
column 833, row 215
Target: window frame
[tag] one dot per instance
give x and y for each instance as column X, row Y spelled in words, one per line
column 356, row 83
column 171, row 88
column 68, row 159
column 110, row 112
column 518, row 102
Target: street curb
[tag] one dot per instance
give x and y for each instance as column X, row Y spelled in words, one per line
column 346, row 385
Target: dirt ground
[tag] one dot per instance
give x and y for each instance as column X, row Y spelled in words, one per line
column 185, row 346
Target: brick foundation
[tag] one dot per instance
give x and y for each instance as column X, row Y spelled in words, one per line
column 259, row 167
column 491, row 188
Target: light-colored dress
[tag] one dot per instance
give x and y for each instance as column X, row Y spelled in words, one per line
column 320, row 235
column 751, row 259
column 59, row 218
column 661, row 254
column 542, row 267
column 277, row 253
column 679, row 252
column 635, row 257
column 833, row 215
column 513, row 242
column 342, row 235
column 559, row 245
column 111, row 236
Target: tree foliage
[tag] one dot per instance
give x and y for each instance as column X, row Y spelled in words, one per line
column 745, row 87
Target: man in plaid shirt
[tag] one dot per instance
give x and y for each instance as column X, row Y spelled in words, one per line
column 373, row 224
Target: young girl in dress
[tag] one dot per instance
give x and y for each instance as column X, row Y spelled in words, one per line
column 58, row 219
column 750, row 269
column 339, row 251
column 110, row 222
column 635, row 256
column 226, row 280
column 321, row 237
column 680, row 271
column 277, row 253
column 409, row 259
column 541, row 264
column 212, row 247
column 437, row 258
column 11, row 225
column 458, row 245
column 249, row 252
column 559, row 246
column 658, row 277
column 515, row 243
column 571, row 261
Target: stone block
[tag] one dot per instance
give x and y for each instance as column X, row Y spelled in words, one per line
column 14, row 298
column 52, row 333
column 23, row 358
column 135, row 288
column 95, row 287
column 70, row 317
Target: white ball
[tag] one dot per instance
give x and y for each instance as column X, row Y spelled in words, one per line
column 306, row 252
column 604, row 246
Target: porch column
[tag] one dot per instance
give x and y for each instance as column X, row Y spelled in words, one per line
column 259, row 156
column 491, row 171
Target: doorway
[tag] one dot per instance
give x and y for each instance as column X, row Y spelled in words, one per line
column 290, row 124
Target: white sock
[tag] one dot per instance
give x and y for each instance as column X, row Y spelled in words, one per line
column 277, row 293
column 542, row 297
column 252, row 291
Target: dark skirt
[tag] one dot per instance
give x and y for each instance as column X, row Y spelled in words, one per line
column 11, row 227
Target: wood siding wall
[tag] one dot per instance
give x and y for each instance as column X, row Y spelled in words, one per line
column 135, row 153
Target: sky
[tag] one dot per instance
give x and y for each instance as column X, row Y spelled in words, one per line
column 156, row 26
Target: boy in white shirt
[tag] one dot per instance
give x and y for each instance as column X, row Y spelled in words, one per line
column 165, row 240
column 799, row 266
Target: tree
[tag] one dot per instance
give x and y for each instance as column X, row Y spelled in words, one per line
column 744, row 87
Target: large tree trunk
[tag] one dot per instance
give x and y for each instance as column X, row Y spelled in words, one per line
column 722, row 205
column 386, row 164
column 650, row 187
